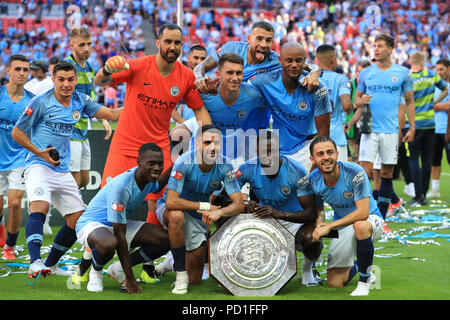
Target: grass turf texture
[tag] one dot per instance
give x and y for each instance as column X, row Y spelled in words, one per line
column 400, row 277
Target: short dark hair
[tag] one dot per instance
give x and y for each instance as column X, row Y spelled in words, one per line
column 64, row 66
column 320, row 139
column 263, row 25
column 230, row 57
column 363, row 63
column 325, row 48
column 168, row 26
column 197, row 47
column 444, row 62
column 17, row 57
column 207, row 127
column 148, row 147
column 386, row 38
column 54, row 60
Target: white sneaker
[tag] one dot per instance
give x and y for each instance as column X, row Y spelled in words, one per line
column 47, row 229
column 409, row 190
column 38, row 267
column 57, row 271
column 165, row 266
column 363, row 288
column 95, row 283
column 115, row 271
column 205, row 274
column 433, row 194
column 308, row 278
column 181, row 284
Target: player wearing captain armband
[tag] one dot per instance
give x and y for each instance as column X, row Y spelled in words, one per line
column 45, row 129
column 299, row 115
column 346, row 188
column 195, row 176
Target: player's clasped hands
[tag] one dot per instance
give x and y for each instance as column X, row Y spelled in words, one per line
column 210, row 216
column 320, row 231
column 260, row 211
column 206, row 85
column 116, row 64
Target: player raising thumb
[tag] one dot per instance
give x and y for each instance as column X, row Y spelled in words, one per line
column 116, row 64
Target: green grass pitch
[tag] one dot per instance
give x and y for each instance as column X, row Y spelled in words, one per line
column 405, row 272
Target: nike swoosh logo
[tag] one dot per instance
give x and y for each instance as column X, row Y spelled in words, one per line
column 147, row 84
column 51, row 115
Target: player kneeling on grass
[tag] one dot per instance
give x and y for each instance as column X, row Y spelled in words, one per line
column 196, row 175
column 45, row 129
column 276, row 181
column 104, row 226
column 346, row 188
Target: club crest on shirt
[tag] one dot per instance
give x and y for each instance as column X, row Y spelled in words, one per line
column 76, row 115
column 302, row 105
column 214, row 184
column 348, row 194
column 174, row 91
column 285, row 190
column 394, row 79
column 242, row 113
column 39, row 191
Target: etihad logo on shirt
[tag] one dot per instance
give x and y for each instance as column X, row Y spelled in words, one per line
column 118, row 207
column 156, row 103
column 29, row 111
column 177, row 174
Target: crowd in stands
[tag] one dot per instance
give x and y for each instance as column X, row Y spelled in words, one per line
column 116, row 26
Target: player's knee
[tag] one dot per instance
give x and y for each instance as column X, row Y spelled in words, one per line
column 335, row 282
column 14, row 204
column 362, row 229
column 107, row 246
column 175, row 218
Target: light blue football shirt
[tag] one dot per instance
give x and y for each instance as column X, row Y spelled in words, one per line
column 440, row 117
column 387, row 88
column 260, row 117
column 229, row 119
column 353, row 185
column 51, row 123
column 116, row 201
column 282, row 191
column 12, row 154
column 337, row 85
column 293, row 114
column 194, row 185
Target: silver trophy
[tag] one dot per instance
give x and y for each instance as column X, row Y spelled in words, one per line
column 252, row 257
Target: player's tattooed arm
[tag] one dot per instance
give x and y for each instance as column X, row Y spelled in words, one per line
column 205, row 84
column 202, row 68
column 411, row 112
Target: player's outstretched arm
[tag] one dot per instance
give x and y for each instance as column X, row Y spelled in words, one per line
column 122, row 251
column 109, row 114
column 112, row 65
column 202, row 116
column 175, row 202
column 22, row 139
column 205, row 84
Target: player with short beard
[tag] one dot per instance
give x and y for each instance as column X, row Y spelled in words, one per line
column 346, row 188
column 155, row 86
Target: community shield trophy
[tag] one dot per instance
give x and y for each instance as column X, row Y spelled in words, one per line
column 252, row 257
